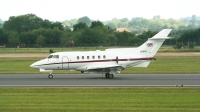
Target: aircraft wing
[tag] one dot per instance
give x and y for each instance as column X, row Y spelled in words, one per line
column 105, row 68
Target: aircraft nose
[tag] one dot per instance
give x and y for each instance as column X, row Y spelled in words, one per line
column 32, row 65
column 36, row 64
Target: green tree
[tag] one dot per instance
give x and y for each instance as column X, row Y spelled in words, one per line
column 28, row 22
column 123, row 37
column 22, row 23
column 3, row 37
column 53, row 36
column 145, row 35
column 40, row 39
column 27, row 37
column 66, row 36
column 111, row 25
column 92, row 37
column 58, row 25
column 85, row 19
column 96, row 24
column 1, row 25
column 46, row 24
column 124, row 20
column 178, row 45
column 190, row 35
column 112, row 39
column 191, row 45
column 14, row 40
column 13, row 37
column 135, row 41
column 79, row 26
column 67, row 28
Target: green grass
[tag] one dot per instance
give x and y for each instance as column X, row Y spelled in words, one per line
column 99, row 99
column 161, row 65
column 179, row 50
column 60, row 49
column 46, row 50
column 168, row 48
column 178, row 65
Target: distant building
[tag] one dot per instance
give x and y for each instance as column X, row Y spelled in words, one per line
column 123, row 29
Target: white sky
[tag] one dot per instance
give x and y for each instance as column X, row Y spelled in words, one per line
column 60, row 10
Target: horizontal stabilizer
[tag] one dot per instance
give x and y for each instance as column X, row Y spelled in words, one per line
column 159, row 38
column 162, row 34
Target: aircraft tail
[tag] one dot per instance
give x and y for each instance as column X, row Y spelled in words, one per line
column 151, row 46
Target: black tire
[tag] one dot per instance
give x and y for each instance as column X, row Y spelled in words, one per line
column 111, row 76
column 107, row 75
column 50, row 76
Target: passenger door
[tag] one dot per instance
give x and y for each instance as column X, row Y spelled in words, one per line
column 65, row 62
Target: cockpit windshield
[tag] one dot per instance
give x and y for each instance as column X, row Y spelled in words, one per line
column 50, row 56
column 53, row 56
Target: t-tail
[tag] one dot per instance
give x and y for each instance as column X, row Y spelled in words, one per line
column 151, row 46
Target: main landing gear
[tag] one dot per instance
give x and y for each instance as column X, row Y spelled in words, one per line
column 107, row 75
column 50, row 76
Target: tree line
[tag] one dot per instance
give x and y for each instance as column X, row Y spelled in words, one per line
column 31, row 29
column 139, row 24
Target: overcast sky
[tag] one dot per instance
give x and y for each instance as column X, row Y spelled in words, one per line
column 60, row 10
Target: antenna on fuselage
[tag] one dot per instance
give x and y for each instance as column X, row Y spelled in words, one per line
column 117, row 59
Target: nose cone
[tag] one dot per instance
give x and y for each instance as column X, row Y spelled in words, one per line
column 36, row 65
column 33, row 65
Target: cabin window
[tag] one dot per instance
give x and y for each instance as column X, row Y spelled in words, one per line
column 82, row 57
column 50, row 56
column 77, row 57
column 104, row 57
column 88, row 57
column 93, row 57
column 56, row 56
column 99, row 57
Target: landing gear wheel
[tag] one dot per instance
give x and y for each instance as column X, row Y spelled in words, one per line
column 107, row 75
column 50, row 76
column 111, row 76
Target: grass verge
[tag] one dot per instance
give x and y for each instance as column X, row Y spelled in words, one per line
column 61, row 49
column 46, row 50
column 99, row 99
column 178, row 65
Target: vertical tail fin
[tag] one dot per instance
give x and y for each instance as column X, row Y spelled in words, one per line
column 151, row 46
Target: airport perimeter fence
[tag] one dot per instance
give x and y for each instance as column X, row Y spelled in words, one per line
column 45, row 48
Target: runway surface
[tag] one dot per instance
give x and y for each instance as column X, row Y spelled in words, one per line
column 87, row 80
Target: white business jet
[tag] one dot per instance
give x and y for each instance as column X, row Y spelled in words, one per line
column 106, row 62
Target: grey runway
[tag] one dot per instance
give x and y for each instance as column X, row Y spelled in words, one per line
column 88, row 80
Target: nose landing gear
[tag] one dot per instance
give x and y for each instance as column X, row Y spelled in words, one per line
column 50, row 75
